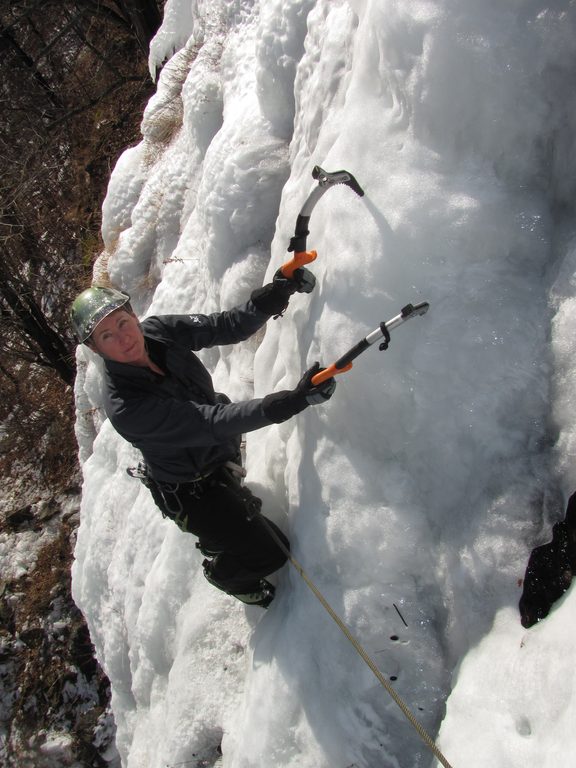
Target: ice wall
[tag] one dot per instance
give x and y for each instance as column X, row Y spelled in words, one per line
column 438, row 465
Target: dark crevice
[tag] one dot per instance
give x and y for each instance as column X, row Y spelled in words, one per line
column 550, row 570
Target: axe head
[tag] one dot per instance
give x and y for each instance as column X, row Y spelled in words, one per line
column 326, row 179
column 415, row 309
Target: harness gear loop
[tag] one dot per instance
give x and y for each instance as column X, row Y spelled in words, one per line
column 170, row 491
column 398, row 700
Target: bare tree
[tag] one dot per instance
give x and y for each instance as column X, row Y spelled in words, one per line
column 73, row 84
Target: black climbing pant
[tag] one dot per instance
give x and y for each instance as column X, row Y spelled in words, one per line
column 225, row 516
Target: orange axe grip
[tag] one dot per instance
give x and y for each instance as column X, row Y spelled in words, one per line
column 300, row 258
column 327, row 373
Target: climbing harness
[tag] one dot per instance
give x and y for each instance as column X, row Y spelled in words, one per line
column 168, row 496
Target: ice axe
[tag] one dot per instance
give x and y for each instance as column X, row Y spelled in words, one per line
column 298, row 242
column 344, row 363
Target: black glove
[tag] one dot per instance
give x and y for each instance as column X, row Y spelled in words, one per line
column 302, row 281
column 273, row 298
column 280, row 406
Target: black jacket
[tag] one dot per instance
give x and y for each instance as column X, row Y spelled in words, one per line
column 180, row 424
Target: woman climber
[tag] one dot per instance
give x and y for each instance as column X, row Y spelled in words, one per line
column 159, row 396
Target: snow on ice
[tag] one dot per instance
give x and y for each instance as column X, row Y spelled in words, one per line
column 412, row 499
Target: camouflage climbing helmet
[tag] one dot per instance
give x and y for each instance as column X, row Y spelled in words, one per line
column 92, row 306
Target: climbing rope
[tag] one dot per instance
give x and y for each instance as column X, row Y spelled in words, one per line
column 424, row 735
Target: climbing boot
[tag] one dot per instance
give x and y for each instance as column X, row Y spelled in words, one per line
column 207, row 550
column 262, row 595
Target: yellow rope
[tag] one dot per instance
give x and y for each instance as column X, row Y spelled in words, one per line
column 426, row 738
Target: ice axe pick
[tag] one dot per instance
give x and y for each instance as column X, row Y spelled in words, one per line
column 298, row 242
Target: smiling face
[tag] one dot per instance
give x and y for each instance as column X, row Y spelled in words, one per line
column 119, row 337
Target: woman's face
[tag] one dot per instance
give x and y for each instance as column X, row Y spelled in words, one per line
column 118, row 337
